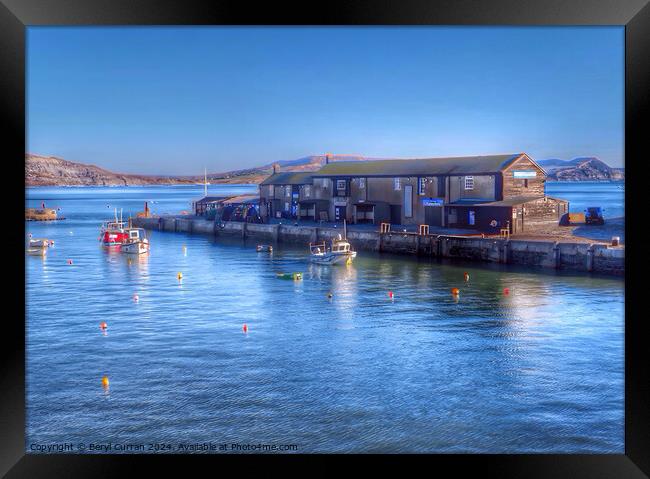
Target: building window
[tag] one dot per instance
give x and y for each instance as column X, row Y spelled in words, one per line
column 526, row 183
column 362, row 183
column 271, row 191
column 422, row 184
column 396, row 184
column 306, row 190
column 469, row 182
column 287, row 191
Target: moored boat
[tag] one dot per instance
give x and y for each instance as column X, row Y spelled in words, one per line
column 340, row 252
column 136, row 242
column 39, row 243
column 113, row 232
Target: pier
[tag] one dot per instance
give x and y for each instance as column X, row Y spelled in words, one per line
column 572, row 256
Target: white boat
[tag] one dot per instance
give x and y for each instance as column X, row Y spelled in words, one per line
column 39, row 243
column 339, row 253
column 136, row 242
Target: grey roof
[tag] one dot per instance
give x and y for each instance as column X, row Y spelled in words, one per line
column 209, row 199
column 242, row 199
column 518, row 200
column 420, row 166
column 289, row 178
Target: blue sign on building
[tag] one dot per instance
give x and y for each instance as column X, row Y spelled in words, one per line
column 433, row 201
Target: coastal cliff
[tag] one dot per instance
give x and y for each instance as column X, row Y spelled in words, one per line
column 52, row 171
column 581, row 169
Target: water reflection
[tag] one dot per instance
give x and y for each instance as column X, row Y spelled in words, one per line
column 426, row 372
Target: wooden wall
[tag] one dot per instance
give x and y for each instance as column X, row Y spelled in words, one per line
column 517, row 186
column 540, row 211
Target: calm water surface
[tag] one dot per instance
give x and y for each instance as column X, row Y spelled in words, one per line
column 538, row 370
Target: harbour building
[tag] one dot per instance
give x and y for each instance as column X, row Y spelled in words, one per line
column 485, row 193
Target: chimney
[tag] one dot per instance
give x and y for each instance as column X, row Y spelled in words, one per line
column 275, row 168
column 327, row 158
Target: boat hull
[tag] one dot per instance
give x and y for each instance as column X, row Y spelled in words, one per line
column 333, row 258
column 135, row 248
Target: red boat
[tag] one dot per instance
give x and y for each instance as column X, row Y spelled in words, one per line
column 114, row 232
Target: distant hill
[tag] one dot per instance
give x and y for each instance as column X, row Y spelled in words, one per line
column 51, row 171
column 581, row 169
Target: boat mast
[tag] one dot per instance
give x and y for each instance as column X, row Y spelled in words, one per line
column 205, row 182
column 345, row 229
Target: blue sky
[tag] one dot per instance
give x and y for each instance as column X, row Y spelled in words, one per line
column 162, row 100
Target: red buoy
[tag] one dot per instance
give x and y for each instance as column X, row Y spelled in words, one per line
column 455, row 291
column 245, row 328
column 69, row 261
column 103, row 326
column 390, row 294
column 506, row 291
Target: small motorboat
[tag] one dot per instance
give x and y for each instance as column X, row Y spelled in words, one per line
column 36, row 251
column 136, row 243
column 39, row 243
column 264, row 248
column 339, row 253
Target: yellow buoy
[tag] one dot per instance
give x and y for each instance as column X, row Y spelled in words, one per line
column 105, row 381
column 179, row 276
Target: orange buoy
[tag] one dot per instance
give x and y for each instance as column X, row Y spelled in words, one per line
column 105, row 382
column 455, row 291
column 244, row 328
column 466, row 275
column 103, row 326
column 506, row 291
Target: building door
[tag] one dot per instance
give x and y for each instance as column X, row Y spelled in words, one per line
column 395, row 214
column 433, row 215
column 517, row 220
column 408, row 201
column 339, row 213
column 472, row 218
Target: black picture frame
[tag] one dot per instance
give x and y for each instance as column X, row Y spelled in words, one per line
column 15, row 15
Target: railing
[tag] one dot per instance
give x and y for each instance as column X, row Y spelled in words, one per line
column 384, row 228
column 424, row 230
column 317, row 247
